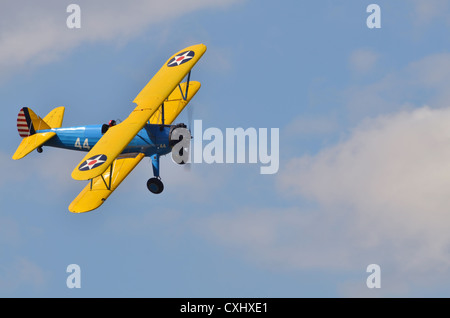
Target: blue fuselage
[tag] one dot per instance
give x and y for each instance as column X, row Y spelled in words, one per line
column 152, row 139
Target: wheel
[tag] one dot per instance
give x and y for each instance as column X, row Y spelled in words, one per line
column 155, row 185
column 39, row 149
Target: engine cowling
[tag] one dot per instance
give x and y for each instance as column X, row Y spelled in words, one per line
column 180, row 147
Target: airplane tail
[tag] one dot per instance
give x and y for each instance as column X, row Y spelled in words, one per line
column 29, row 124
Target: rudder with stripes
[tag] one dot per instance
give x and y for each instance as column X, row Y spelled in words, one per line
column 28, row 123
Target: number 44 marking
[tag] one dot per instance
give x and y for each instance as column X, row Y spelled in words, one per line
column 85, row 144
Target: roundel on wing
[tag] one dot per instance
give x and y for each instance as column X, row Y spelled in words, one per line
column 92, row 162
column 181, row 58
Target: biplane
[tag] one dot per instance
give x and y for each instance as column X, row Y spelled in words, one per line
column 115, row 149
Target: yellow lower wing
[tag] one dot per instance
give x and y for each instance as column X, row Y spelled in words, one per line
column 101, row 187
column 30, row 143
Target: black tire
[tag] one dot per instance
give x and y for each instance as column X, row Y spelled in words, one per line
column 154, row 185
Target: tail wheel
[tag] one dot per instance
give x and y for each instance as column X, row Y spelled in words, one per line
column 155, row 185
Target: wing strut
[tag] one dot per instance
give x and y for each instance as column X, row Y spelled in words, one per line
column 161, row 128
column 108, row 187
column 185, row 94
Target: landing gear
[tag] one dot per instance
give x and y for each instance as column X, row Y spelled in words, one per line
column 155, row 185
column 39, row 149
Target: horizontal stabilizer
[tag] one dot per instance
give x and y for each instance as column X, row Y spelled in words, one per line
column 30, row 143
column 55, row 118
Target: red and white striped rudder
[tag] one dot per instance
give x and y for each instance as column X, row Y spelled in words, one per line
column 24, row 124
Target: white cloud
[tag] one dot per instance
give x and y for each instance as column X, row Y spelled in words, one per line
column 36, row 32
column 423, row 81
column 381, row 196
column 392, row 177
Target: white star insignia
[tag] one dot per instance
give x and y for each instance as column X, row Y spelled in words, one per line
column 180, row 58
column 90, row 163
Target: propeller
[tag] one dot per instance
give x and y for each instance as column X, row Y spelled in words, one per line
column 190, row 115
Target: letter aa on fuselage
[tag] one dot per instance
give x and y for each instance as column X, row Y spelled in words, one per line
column 150, row 140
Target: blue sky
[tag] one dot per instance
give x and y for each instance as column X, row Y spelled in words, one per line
column 364, row 172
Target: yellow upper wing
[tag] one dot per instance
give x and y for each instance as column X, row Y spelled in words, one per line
column 168, row 77
column 100, row 157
